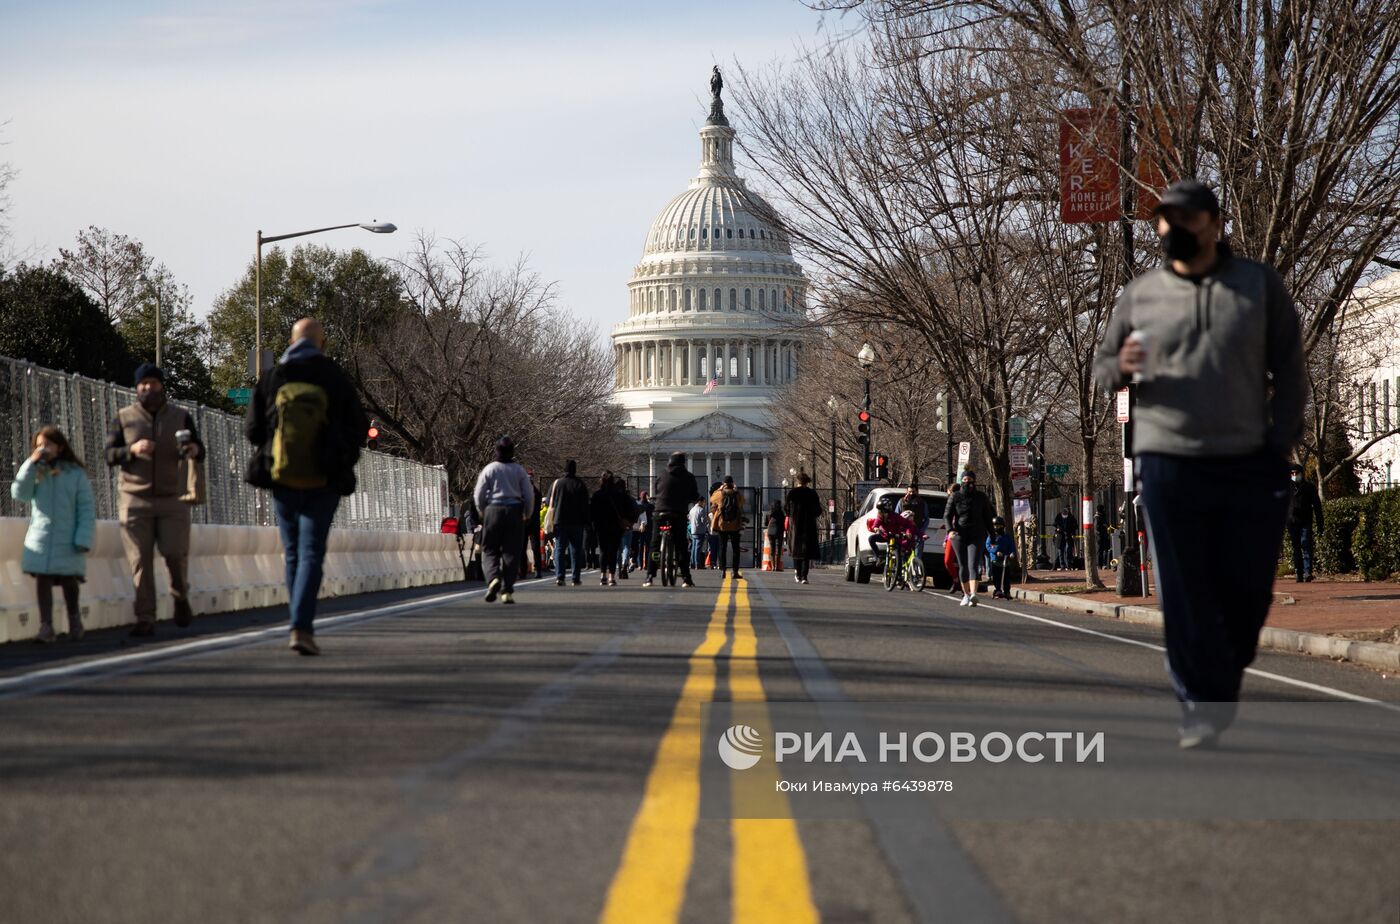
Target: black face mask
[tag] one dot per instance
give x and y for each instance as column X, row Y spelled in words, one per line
column 1180, row 244
column 152, row 401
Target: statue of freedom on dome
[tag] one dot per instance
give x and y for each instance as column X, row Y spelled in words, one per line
column 716, row 104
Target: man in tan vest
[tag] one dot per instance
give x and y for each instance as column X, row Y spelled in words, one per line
column 148, row 439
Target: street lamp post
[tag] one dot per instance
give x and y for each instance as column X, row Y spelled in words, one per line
column 833, row 405
column 378, row 227
column 155, row 290
column 866, row 358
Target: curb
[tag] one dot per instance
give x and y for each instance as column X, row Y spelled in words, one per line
column 1378, row 655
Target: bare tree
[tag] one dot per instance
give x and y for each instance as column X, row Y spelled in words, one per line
column 899, row 176
column 904, row 386
column 1291, row 108
column 7, row 176
column 472, row 353
column 108, row 266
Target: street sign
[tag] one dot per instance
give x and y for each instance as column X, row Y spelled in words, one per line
column 1057, row 470
column 1021, row 485
column 964, row 454
column 1123, row 406
column 1017, row 427
column 268, row 361
column 1018, row 458
column 240, row 396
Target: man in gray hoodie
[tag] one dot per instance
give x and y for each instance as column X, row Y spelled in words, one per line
column 504, row 495
column 1212, row 341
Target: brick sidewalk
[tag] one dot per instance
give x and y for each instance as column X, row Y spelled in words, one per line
column 1329, row 606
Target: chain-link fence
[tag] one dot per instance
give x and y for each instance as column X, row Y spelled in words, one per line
column 392, row 493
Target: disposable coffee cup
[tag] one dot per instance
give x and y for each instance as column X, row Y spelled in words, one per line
column 183, row 436
column 1149, row 357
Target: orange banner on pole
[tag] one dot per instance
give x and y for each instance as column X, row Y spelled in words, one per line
column 1089, row 179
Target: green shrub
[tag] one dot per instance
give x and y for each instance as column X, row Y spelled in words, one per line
column 1364, row 549
column 1333, row 543
column 1361, row 534
column 1386, row 536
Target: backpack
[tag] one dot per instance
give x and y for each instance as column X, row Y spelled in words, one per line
column 729, row 506
column 302, row 411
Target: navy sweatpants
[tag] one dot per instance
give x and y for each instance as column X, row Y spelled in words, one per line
column 1216, row 526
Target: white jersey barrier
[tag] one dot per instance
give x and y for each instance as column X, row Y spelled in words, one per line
column 230, row 568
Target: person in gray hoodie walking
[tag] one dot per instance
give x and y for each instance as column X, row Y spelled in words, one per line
column 505, row 497
column 1213, row 342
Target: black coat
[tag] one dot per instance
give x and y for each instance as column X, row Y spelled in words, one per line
column 608, row 514
column 970, row 513
column 675, row 490
column 804, row 509
column 1303, row 503
column 346, row 423
column 569, row 499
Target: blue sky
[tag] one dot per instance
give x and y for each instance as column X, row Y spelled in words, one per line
column 556, row 130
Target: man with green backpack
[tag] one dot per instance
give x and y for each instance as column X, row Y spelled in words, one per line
column 307, row 424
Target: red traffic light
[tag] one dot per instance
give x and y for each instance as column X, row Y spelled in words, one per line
column 864, row 416
column 374, row 433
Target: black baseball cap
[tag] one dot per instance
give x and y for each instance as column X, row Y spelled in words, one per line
column 1192, row 195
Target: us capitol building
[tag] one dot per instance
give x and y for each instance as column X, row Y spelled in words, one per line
column 715, row 299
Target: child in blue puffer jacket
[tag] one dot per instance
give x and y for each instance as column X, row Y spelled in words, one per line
column 62, row 522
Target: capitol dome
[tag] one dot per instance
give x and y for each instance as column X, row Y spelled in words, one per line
column 712, row 328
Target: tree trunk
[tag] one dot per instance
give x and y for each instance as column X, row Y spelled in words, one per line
column 1091, row 535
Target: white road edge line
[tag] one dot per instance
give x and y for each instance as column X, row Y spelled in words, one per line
column 1316, row 688
column 116, row 663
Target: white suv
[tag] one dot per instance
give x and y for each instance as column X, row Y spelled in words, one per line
column 865, row 555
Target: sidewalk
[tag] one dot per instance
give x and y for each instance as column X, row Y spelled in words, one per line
column 1336, row 617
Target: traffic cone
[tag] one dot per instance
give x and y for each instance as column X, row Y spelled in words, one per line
column 767, row 554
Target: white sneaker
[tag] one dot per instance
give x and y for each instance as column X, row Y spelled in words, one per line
column 966, row 601
column 972, row 600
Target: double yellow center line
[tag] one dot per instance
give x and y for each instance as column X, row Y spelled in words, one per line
column 769, row 879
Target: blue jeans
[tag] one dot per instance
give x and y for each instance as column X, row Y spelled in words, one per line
column 1302, row 537
column 624, row 550
column 304, row 520
column 568, row 538
column 698, row 545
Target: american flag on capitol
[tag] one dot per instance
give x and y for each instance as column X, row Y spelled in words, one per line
column 711, row 385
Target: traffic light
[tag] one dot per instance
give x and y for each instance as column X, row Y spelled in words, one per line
column 372, row 437
column 882, row 466
column 942, row 412
column 863, row 428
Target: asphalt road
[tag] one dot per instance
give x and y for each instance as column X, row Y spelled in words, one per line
column 447, row 760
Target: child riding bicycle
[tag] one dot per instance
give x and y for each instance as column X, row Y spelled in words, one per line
column 892, row 527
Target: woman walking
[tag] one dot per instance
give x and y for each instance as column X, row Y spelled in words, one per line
column 969, row 517
column 775, row 529
column 608, row 523
column 62, row 522
column 804, row 509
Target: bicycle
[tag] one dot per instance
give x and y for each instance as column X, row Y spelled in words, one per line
column 669, row 563
column 904, row 569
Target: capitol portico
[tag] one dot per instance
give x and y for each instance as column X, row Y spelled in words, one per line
column 714, row 303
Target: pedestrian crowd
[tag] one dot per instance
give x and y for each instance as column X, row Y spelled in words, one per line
column 1208, row 342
